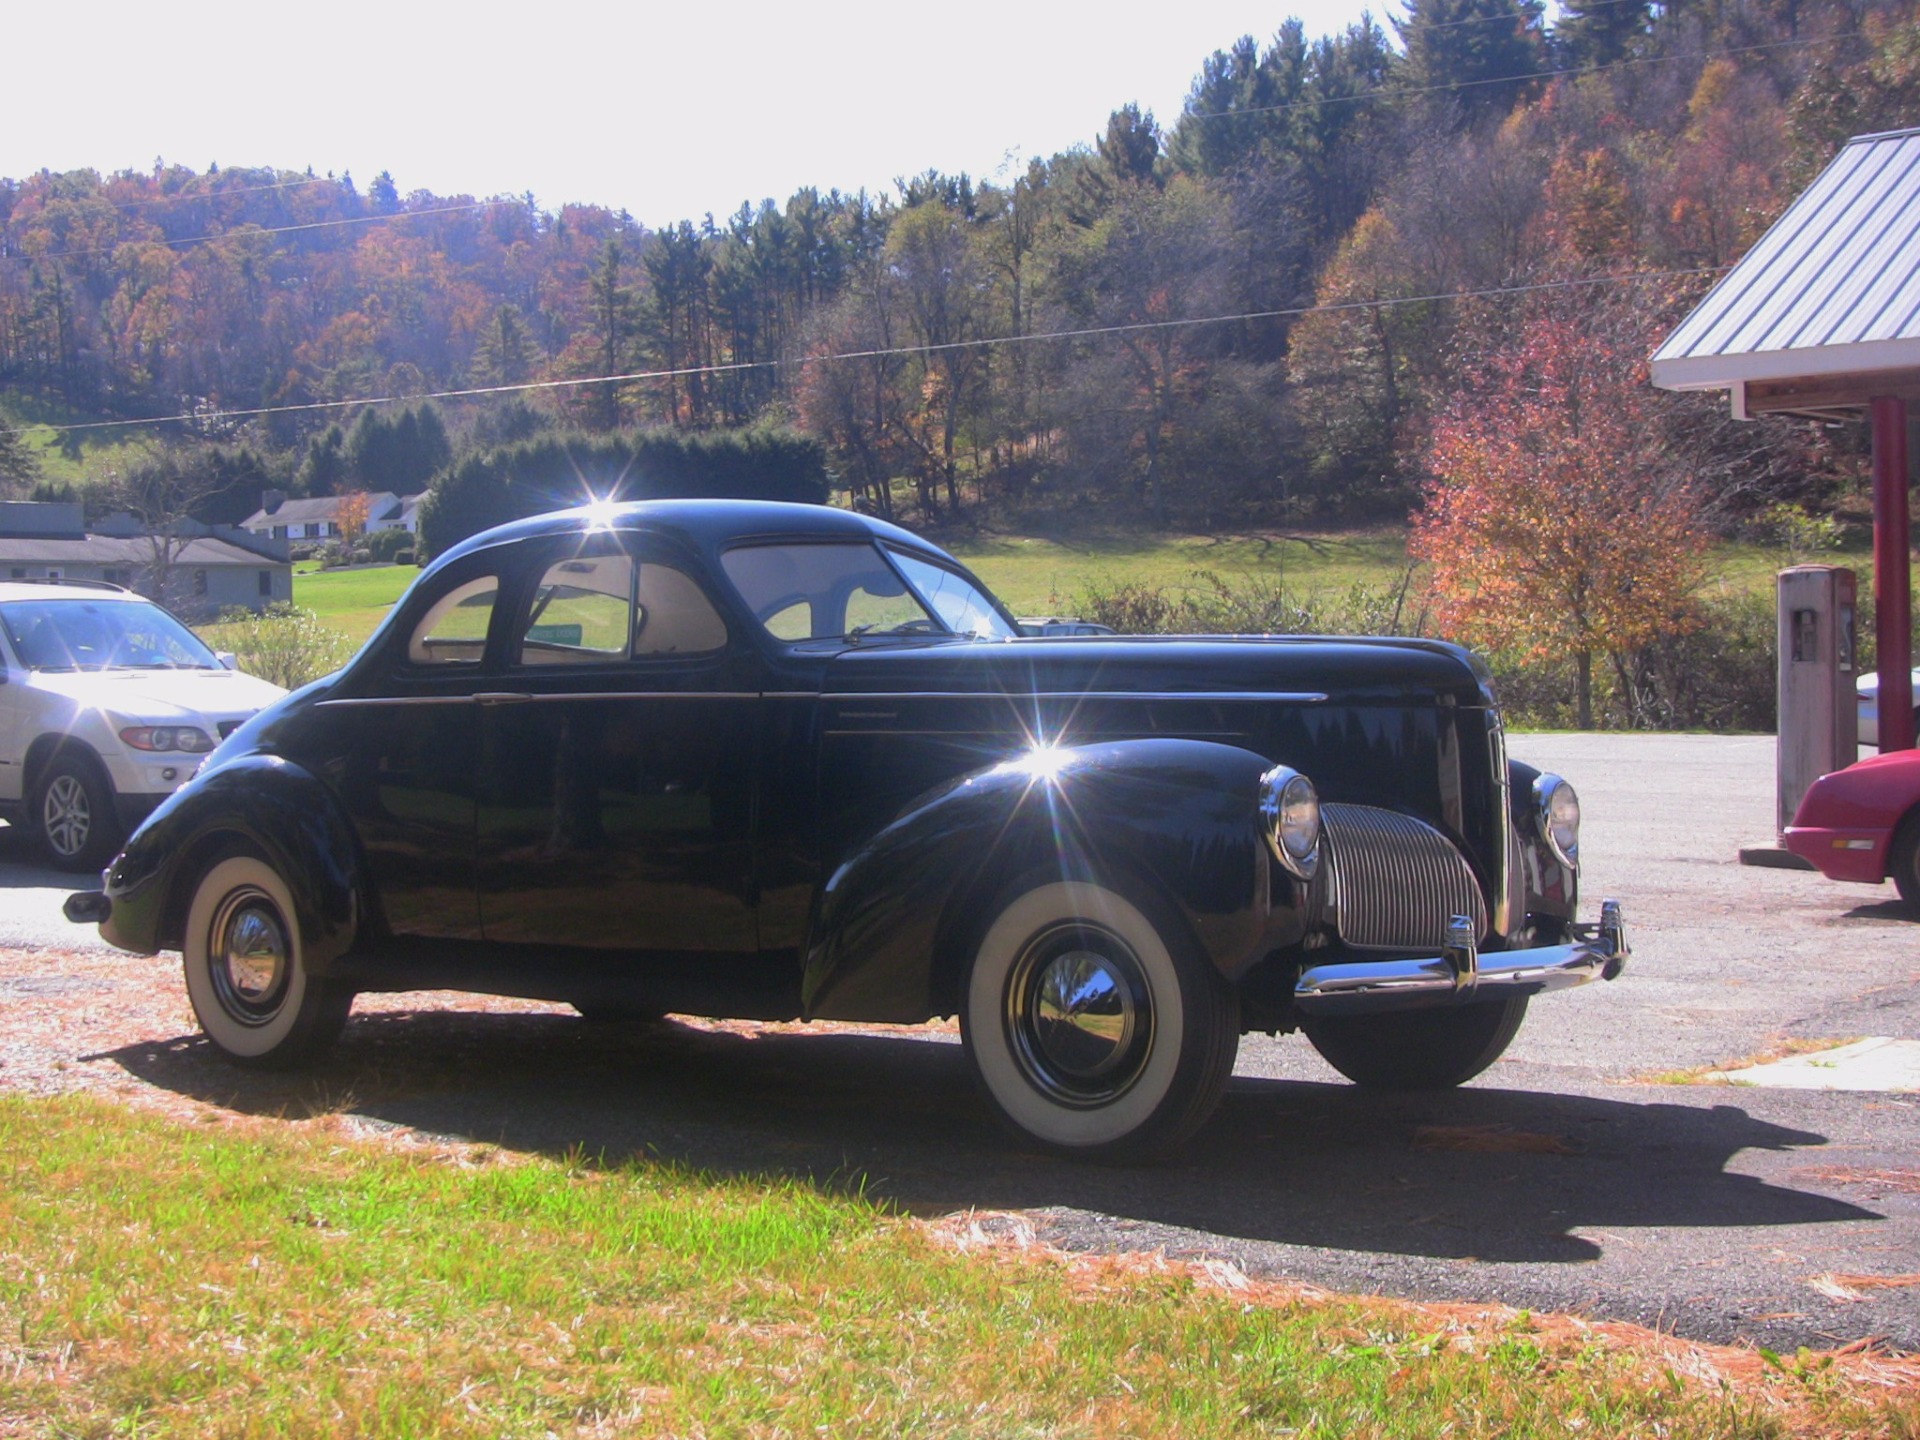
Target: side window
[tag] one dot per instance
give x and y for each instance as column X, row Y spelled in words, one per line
column 582, row 613
column 676, row 618
column 454, row 630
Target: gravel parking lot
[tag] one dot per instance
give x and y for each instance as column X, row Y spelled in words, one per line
column 1574, row 1175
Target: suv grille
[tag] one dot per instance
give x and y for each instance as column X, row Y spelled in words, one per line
column 1396, row 881
column 227, row 727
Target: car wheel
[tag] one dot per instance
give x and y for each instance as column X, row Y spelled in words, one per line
column 1904, row 860
column 1092, row 1028
column 1417, row 1049
column 73, row 813
column 246, row 970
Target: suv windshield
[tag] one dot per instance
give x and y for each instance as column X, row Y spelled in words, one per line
column 101, row 635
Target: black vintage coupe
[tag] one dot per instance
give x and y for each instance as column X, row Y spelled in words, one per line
column 758, row 760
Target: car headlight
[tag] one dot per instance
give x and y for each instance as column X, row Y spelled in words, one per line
column 173, row 739
column 1290, row 815
column 1559, row 811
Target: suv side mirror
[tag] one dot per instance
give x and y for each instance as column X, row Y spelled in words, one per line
column 227, row 658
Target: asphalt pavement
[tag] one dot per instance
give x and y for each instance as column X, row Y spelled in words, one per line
column 1590, row 1170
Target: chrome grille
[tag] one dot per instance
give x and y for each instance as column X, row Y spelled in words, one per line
column 1396, row 881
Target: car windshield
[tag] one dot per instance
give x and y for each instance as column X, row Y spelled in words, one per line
column 850, row 591
column 964, row 607
column 101, row 635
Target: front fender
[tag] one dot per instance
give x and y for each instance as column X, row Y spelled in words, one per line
column 260, row 803
column 1548, row 891
column 891, row 926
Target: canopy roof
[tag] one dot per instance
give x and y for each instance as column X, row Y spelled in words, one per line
column 1824, row 312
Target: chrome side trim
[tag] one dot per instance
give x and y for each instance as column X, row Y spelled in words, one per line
column 1290, row 697
column 519, row 697
column 389, row 700
column 1460, row 973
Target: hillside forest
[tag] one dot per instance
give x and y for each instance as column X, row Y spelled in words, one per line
column 1353, row 274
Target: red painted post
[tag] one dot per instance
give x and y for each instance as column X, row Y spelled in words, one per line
column 1892, row 583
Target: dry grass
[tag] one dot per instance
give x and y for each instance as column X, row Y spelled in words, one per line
column 1781, row 1047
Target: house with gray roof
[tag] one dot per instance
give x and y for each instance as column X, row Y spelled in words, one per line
column 195, row 570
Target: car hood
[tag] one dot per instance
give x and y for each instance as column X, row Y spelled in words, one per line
column 163, row 695
column 1354, row 670
column 1868, row 685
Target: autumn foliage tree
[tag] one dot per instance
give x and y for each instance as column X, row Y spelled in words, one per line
column 1555, row 521
column 352, row 515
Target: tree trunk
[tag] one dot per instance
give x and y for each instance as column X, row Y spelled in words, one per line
column 1583, row 701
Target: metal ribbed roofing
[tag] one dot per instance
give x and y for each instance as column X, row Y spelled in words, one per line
column 1832, row 288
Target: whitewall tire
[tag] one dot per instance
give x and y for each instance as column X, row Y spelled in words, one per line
column 1094, row 1029
column 246, row 970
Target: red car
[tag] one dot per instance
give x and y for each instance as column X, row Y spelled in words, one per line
column 1863, row 823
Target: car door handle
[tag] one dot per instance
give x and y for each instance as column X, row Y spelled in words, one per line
column 502, row 697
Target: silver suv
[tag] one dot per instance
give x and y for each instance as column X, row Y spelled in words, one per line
column 107, row 706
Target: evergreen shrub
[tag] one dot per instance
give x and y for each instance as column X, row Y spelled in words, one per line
column 552, row 472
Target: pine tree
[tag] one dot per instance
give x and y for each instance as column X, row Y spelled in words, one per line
column 505, row 354
column 615, row 319
column 19, row 467
column 1599, row 32
column 1469, row 57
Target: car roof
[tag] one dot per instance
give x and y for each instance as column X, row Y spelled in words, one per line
column 66, row 590
column 707, row 524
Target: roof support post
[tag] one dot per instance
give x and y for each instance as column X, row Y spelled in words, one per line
column 1892, row 583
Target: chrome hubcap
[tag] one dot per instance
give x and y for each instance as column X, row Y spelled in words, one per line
column 1079, row 1015
column 249, row 956
column 66, row 818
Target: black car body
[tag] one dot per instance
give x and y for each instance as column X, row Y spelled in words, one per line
column 773, row 761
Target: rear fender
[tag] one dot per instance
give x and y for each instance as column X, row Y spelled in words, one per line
column 1173, row 819
column 259, row 804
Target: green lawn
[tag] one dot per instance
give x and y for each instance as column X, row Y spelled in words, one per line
column 1037, row 575
column 352, row 601
column 239, row 1277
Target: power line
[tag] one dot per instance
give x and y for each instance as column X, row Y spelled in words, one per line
column 898, row 351
column 1586, row 9
column 181, row 197
column 241, row 233
column 1387, row 94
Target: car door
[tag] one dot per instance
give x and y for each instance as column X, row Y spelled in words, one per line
column 408, row 752
column 619, row 763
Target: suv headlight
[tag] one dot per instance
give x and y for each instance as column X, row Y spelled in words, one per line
column 1290, row 816
column 1559, row 810
column 173, row 739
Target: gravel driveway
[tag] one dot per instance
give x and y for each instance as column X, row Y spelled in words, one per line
column 1571, row 1176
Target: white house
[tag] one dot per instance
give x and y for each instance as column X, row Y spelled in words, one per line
column 313, row 519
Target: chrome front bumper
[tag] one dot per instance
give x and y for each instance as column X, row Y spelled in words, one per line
column 1459, row 974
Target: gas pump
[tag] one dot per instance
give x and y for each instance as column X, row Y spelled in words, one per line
column 1818, row 710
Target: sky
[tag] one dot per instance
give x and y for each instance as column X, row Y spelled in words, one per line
column 669, row 111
